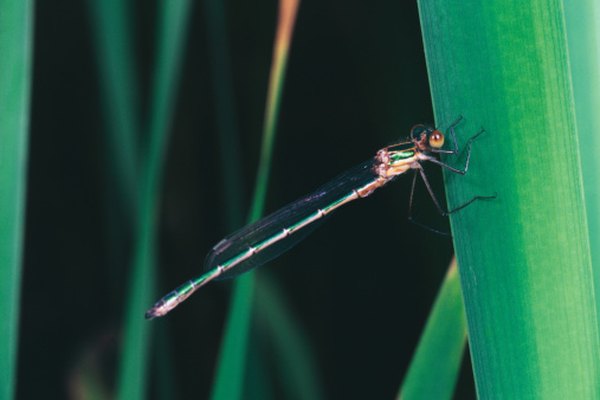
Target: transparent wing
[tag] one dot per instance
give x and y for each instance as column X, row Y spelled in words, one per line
column 273, row 224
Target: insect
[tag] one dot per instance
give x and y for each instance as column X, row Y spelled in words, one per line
column 266, row 239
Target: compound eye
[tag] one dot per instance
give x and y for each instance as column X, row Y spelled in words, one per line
column 436, row 139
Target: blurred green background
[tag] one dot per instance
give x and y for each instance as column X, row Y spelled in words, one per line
column 360, row 288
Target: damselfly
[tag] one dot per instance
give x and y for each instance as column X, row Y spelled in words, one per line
column 273, row 235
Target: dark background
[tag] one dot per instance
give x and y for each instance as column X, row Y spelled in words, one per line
column 360, row 287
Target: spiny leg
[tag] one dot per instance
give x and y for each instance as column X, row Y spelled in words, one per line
column 453, row 135
column 468, row 147
column 440, row 209
column 455, row 149
column 463, row 171
column 397, row 144
column 411, row 196
column 410, row 212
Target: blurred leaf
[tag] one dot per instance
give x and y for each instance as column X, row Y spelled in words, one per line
column 435, row 366
column 228, row 133
column 134, row 362
column 86, row 379
column 114, row 44
column 296, row 367
column 16, row 44
column 229, row 379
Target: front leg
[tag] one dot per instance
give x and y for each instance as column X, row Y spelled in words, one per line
column 468, row 146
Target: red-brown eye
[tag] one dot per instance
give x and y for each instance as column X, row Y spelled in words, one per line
column 436, row 139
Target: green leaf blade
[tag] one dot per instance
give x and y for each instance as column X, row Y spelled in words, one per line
column 583, row 35
column 525, row 256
